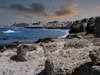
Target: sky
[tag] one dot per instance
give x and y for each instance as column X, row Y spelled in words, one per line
column 30, row 11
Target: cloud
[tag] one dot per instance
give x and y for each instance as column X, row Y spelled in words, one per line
column 40, row 10
column 65, row 11
column 35, row 9
column 63, row 14
column 69, row 6
column 1, row 11
column 98, row 7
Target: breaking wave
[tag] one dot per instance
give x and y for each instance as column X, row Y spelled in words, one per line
column 8, row 31
column 65, row 31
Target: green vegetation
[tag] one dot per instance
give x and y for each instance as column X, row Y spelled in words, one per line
column 61, row 52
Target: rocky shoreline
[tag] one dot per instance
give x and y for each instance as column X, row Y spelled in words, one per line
column 77, row 54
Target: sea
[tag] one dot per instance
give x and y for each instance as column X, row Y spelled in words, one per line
column 29, row 35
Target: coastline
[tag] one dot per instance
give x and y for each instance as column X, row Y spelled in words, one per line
column 65, row 33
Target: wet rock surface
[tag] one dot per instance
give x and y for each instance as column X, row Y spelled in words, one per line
column 5, row 39
column 46, row 40
column 2, row 48
column 11, row 46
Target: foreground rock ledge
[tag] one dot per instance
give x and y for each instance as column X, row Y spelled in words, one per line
column 59, row 65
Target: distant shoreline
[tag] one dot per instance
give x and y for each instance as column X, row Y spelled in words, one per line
column 48, row 27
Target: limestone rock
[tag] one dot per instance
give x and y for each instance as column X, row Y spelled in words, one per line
column 95, row 56
column 22, row 50
column 88, row 36
column 41, row 53
column 49, row 47
column 96, row 70
column 95, row 41
column 58, row 65
column 76, row 43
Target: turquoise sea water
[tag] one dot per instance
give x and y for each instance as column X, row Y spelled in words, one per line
column 28, row 35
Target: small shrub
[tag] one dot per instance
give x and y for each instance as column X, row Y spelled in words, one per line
column 61, row 52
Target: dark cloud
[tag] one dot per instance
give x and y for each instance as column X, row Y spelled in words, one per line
column 40, row 10
column 17, row 7
column 63, row 12
column 35, row 8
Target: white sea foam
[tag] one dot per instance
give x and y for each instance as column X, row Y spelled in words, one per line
column 8, row 31
column 64, row 36
column 65, row 31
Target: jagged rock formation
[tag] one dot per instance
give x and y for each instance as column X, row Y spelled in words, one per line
column 97, row 27
column 90, row 25
column 81, row 35
column 78, row 26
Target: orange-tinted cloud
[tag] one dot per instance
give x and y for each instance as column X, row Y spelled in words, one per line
column 98, row 7
column 69, row 6
column 64, row 11
column 63, row 14
column 29, row 15
column 1, row 11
